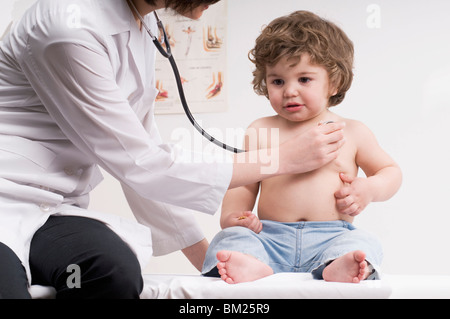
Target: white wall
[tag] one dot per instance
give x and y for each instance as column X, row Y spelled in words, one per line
column 400, row 91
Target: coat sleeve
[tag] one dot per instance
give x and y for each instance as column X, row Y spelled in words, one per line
column 173, row 228
column 72, row 74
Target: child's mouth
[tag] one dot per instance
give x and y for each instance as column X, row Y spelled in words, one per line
column 294, row 107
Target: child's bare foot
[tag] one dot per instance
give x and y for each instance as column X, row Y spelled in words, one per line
column 351, row 267
column 236, row 267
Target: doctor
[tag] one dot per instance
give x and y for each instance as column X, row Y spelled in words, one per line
column 77, row 91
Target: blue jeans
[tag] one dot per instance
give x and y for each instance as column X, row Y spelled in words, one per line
column 296, row 247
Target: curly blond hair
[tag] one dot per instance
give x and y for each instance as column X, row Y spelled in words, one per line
column 299, row 33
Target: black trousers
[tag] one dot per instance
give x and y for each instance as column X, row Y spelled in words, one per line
column 79, row 257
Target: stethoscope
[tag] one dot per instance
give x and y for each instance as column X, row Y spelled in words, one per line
column 168, row 54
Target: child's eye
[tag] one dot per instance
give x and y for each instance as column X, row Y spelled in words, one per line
column 304, row 80
column 278, row 82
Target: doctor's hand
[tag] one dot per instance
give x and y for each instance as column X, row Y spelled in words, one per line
column 243, row 219
column 353, row 197
column 312, row 149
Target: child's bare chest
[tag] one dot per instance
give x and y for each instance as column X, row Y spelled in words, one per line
column 308, row 196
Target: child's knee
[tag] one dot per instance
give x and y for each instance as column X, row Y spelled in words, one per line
column 238, row 231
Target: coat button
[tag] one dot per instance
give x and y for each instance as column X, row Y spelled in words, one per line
column 45, row 208
column 69, row 171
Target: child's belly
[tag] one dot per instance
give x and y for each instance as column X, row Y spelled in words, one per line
column 304, row 197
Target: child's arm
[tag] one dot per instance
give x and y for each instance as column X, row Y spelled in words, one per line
column 383, row 179
column 237, row 208
column 238, row 203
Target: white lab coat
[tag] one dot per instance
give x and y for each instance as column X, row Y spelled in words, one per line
column 77, row 90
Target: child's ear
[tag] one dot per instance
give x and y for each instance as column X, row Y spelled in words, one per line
column 333, row 91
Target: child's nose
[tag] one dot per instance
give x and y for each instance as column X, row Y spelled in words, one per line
column 291, row 90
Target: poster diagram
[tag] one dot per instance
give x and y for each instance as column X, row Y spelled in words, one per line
column 199, row 48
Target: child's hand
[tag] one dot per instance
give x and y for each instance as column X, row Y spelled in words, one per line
column 243, row 219
column 353, row 197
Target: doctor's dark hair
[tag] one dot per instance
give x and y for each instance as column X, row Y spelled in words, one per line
column 184, row 6
column 299, row 33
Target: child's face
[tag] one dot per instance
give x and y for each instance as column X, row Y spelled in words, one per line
column 300, row 92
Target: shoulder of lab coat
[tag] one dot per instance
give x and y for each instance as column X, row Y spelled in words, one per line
column 68, row 63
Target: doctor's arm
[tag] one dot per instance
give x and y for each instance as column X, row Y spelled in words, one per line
column 196, row 253
column 77, row 84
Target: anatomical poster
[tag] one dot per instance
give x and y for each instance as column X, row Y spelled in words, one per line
column 199, row 48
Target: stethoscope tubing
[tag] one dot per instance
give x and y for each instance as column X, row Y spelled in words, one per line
column 168, row 54
column 191, row 117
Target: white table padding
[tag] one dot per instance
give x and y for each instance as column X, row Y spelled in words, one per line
column 285, row 286
column 41, row 292
column 278, row 286
column 419, row 286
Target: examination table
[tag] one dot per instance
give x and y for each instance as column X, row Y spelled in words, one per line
column 285, row 286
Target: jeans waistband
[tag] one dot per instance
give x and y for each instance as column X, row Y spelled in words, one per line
column 314, row 224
